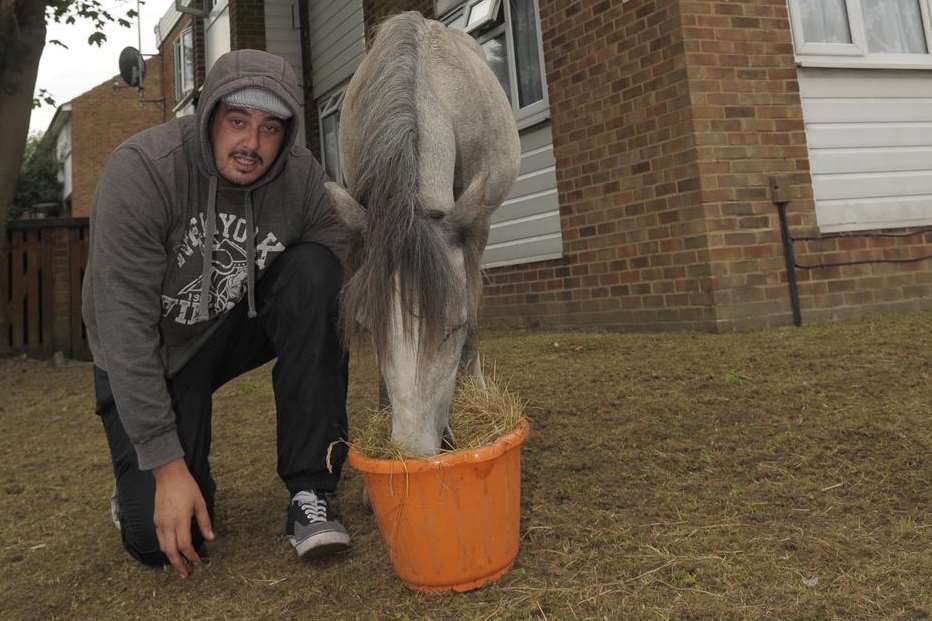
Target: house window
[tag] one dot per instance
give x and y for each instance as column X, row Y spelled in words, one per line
column 509, row 33
column 184, row 65
column 328, row 112
column 862, row 33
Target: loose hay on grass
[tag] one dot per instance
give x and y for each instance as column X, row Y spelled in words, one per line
column 479, row 416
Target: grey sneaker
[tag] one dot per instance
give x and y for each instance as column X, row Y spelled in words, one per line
column 309, row 527
column 115, row 507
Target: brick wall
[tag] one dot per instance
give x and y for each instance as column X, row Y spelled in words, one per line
column 668, row 118
column 748, row 125
column 635, row 239
column 247, row 24
column 200, row 49
column 101, row 119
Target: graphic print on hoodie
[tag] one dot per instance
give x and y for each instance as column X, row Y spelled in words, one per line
column 230, row 263
column 159, row 197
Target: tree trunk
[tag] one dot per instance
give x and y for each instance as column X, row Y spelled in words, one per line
column 22, row 39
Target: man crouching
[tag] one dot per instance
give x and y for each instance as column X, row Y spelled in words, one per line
column 213, row 249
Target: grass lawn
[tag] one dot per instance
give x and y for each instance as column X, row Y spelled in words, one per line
column 784, row 474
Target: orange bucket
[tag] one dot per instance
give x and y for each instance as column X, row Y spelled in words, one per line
column 449, row 521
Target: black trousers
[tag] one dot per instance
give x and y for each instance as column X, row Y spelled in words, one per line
column 296, row 302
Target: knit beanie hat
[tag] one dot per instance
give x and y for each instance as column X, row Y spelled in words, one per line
column 260, row 99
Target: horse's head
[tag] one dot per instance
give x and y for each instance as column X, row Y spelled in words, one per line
column 429, row 145
column 415, row 293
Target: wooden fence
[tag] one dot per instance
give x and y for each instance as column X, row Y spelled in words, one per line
column 40, row 288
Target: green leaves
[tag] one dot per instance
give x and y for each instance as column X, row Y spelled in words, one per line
column 97, row 39
column 69, row 11
column 38, row 178
column 43, row 97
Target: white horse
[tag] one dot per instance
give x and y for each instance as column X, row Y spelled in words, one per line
column 429, row 149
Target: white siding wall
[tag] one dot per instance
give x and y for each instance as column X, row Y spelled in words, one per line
column 66, row 178
column 338, row 42
column 63, row 156
column 217, row 33
column 166, row 23
column 527, row 226
column 283, row 37
column 870, row 146
column 283, row 34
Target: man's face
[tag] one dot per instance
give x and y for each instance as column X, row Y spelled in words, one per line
column 245, row 142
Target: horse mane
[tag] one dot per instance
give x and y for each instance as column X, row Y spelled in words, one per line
column 399, row 238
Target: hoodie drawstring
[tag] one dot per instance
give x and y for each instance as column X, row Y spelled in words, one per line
column 250, row 256
column 210, row 226
column 203, row 310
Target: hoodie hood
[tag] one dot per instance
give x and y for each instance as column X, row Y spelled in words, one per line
column 232, row 72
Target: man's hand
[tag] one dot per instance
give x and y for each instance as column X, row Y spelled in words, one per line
column 177, row 498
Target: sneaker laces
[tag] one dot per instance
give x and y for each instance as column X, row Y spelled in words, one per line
column 313, row 505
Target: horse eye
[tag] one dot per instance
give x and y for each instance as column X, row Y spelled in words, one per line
column 436, row 214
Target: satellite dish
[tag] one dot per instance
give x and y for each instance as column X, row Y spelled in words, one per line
column 132, row 66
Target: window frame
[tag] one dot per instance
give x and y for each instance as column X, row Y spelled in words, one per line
column 181, row 96
column 494, row 6
column 328, row 105
column 537, row 111
column 855, row 55
column 487, row 35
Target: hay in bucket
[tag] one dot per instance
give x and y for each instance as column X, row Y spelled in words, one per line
column 478, row 417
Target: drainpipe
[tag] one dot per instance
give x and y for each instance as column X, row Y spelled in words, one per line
column 780, row 198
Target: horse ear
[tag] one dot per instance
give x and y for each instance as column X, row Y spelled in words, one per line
column 350, row 212
column 470, row 203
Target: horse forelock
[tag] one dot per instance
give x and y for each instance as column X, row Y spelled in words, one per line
column 399, row 240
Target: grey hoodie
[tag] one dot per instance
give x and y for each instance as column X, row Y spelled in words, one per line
column 159, row 197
